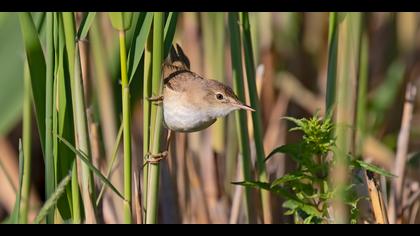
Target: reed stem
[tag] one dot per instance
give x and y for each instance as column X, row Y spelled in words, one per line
column 127, row 129
column 153, row 182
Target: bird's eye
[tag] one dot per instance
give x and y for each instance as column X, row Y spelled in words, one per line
column 219, row 96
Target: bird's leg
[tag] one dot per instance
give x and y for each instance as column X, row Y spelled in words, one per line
column 156, row 158
column 156, row 99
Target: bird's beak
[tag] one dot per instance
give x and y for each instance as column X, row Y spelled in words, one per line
column 243, row 106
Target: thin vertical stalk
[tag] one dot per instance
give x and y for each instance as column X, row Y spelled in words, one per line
column 27, row 158
column 127, row 129
column 147, row 92
column 347, row 63
column 401, row 155
column 362, row 94
column 256, row 116
column 49, row 159
column 332, row 61
column 105, row 98
column 153, row 183
column 241, row 119
column 68, row 25
column 214, row 48
column 79, row 113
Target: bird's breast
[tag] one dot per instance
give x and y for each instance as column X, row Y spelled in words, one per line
column 181, row 116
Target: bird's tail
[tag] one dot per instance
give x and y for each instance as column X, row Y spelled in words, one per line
column 177, row 60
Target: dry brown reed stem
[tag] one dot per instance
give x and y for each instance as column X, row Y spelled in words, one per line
column 396, row 200
column 376, row 199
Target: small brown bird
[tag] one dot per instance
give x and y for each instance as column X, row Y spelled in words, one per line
column 190, row 102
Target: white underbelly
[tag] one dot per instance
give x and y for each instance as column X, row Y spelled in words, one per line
column 185, row 119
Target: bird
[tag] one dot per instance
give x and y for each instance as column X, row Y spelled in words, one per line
column 190, row 101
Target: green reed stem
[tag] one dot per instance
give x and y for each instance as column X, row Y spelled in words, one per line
column 49, row 159
column 153, row 183
column 241, row 120
column 332, row 61
column 80, row 119
column 256, row 116
column 127, row 129
column 27, row 140
column 347, row 63
column 147, row 92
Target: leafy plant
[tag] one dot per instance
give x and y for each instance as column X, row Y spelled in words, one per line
column 307, row 190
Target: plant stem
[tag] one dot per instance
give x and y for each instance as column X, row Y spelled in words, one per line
column 27, row 109
column 127, row 129
column 153, row 183
column 49, row 161
column 241, row 121
column 347, row 62
column 147, row 92
column 332, row 62
column 80, row 119
column 256, row 116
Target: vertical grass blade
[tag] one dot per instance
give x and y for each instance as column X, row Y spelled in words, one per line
column 138, row 43
column 63, row 124
column 27, row 141
column 214, row 51
column 37, row 70
column 332, row 61
column 153, row 178
column 85, row 25
column 79, row 113
column 16, row 212
column 256, row 116
column 48, row 155
column 241, row 119
column 362, row 94
column 169, row 32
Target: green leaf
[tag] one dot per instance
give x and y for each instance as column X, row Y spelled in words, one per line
column 121, row 20
column 373, row 168
column 298, row 122
column 64, row 158
column 169, row 32
column 85, row 159
column 50, row 203
column 288, row 178
column 290, row 149
column 267, row 186
column 307, row 208
column 254, row 184
column 85, row 25
column 138, row 43
column 37, row 69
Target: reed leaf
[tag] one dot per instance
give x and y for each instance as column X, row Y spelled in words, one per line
column 241, row 119
column 37, row 69
column 85, row 25
column 84, row 157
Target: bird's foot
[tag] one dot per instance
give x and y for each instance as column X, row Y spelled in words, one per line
column 155, row 158
column 156, row 99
